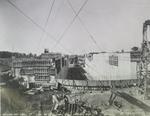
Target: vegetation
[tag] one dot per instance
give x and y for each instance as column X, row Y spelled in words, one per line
column 12, row 99
column 11, row 82
column 135, row 48
column 7, row 54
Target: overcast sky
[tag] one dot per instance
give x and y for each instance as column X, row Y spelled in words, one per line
column 114, row 25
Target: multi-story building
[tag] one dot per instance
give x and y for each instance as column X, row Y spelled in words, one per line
column 50, row 55
column 135, row 56
column 42, row 68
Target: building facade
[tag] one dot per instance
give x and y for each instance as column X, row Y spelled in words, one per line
column 42, row 68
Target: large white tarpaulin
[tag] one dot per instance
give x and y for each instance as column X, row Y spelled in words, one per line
column 99, row 67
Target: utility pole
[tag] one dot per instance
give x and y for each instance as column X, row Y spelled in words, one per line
column 145, row 54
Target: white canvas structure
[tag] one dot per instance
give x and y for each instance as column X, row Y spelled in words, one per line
column 99, row 67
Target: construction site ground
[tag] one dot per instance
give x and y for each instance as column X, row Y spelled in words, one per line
column 99, row 99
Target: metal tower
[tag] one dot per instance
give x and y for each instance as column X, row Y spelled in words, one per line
column 145, row 57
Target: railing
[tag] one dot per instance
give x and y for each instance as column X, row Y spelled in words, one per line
column 95, row 84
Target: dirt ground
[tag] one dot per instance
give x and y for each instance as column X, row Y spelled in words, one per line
column 100, row 100
column 97, row 99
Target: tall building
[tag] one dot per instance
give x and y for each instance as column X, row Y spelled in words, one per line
column 42, row 68
column 50, row 55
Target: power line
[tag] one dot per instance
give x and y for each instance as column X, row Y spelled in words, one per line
column 33, row 22
column 70, row 24
column 58, row 9
column 82, row 23
column 49, row 14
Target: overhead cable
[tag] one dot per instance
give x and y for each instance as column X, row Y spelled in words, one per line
column 49, row 14
column 70, row 24
column 82, row 23
column 33, row 22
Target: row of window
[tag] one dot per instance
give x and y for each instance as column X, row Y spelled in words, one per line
column 42, row 78
column 41, row 70
column 42, row 74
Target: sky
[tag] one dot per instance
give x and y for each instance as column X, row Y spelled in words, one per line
column 101, row 25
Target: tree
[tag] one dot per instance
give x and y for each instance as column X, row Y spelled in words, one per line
column 134, row 48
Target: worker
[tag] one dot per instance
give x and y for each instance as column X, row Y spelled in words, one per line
column 55, row 102
column 66, row 103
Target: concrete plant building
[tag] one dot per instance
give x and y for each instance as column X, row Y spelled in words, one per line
column 42, row 68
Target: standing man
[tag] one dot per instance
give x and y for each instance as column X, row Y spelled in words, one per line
column 55, row 102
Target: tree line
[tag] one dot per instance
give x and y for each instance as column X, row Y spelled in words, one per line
column 7, row 54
